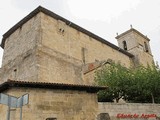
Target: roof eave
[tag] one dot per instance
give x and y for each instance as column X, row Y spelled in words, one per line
column 130, row 30
column 11, row 84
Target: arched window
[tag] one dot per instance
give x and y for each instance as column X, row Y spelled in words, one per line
column 146, row 47
column 124, row 45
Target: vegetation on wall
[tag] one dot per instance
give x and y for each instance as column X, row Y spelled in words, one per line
column 141, row 84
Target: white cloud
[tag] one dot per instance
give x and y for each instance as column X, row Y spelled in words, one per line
column 9, row 15
column 100, row 9
column 102, row 17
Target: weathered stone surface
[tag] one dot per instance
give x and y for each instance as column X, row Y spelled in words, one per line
column 39, row 51
column 136, row 46
column 60, row 104
column 72, row 42
column 140, row 109
column 48, row 50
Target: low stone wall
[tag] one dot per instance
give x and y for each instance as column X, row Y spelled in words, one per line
column 47, row 104
column 127, row 111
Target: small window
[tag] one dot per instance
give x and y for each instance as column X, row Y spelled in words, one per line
column 146, row 47
column 84, row 54
column 124, row 45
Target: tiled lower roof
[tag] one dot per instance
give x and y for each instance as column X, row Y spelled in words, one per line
column 46, row 85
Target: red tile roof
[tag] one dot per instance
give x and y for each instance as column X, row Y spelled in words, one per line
column 46, row 85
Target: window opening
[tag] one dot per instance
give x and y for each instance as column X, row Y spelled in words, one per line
column 124, row 45
column 83, row 55
column 146, row 47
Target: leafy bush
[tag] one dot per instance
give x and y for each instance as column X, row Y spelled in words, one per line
column 141, row 84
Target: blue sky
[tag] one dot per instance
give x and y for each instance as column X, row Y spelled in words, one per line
column 102, row 17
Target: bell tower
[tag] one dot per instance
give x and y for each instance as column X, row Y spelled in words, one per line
column 137, row 44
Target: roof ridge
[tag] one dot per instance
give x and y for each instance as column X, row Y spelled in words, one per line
column 55, row 16
column 130, row 30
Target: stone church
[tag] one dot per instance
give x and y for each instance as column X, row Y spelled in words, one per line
column 53, row 60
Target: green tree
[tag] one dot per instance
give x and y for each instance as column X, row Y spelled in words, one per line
column 141, row 84
column 117, row 78
column 146, row 82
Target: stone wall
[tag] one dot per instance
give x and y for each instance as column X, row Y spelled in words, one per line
column 60, row 104
column 136, row 46
column 25, row 38
column 77, row 49
column 23, row 68
column 129, row 111
column 48, row 50
column 61, row 37
column 58, row 68
column 19, row 57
